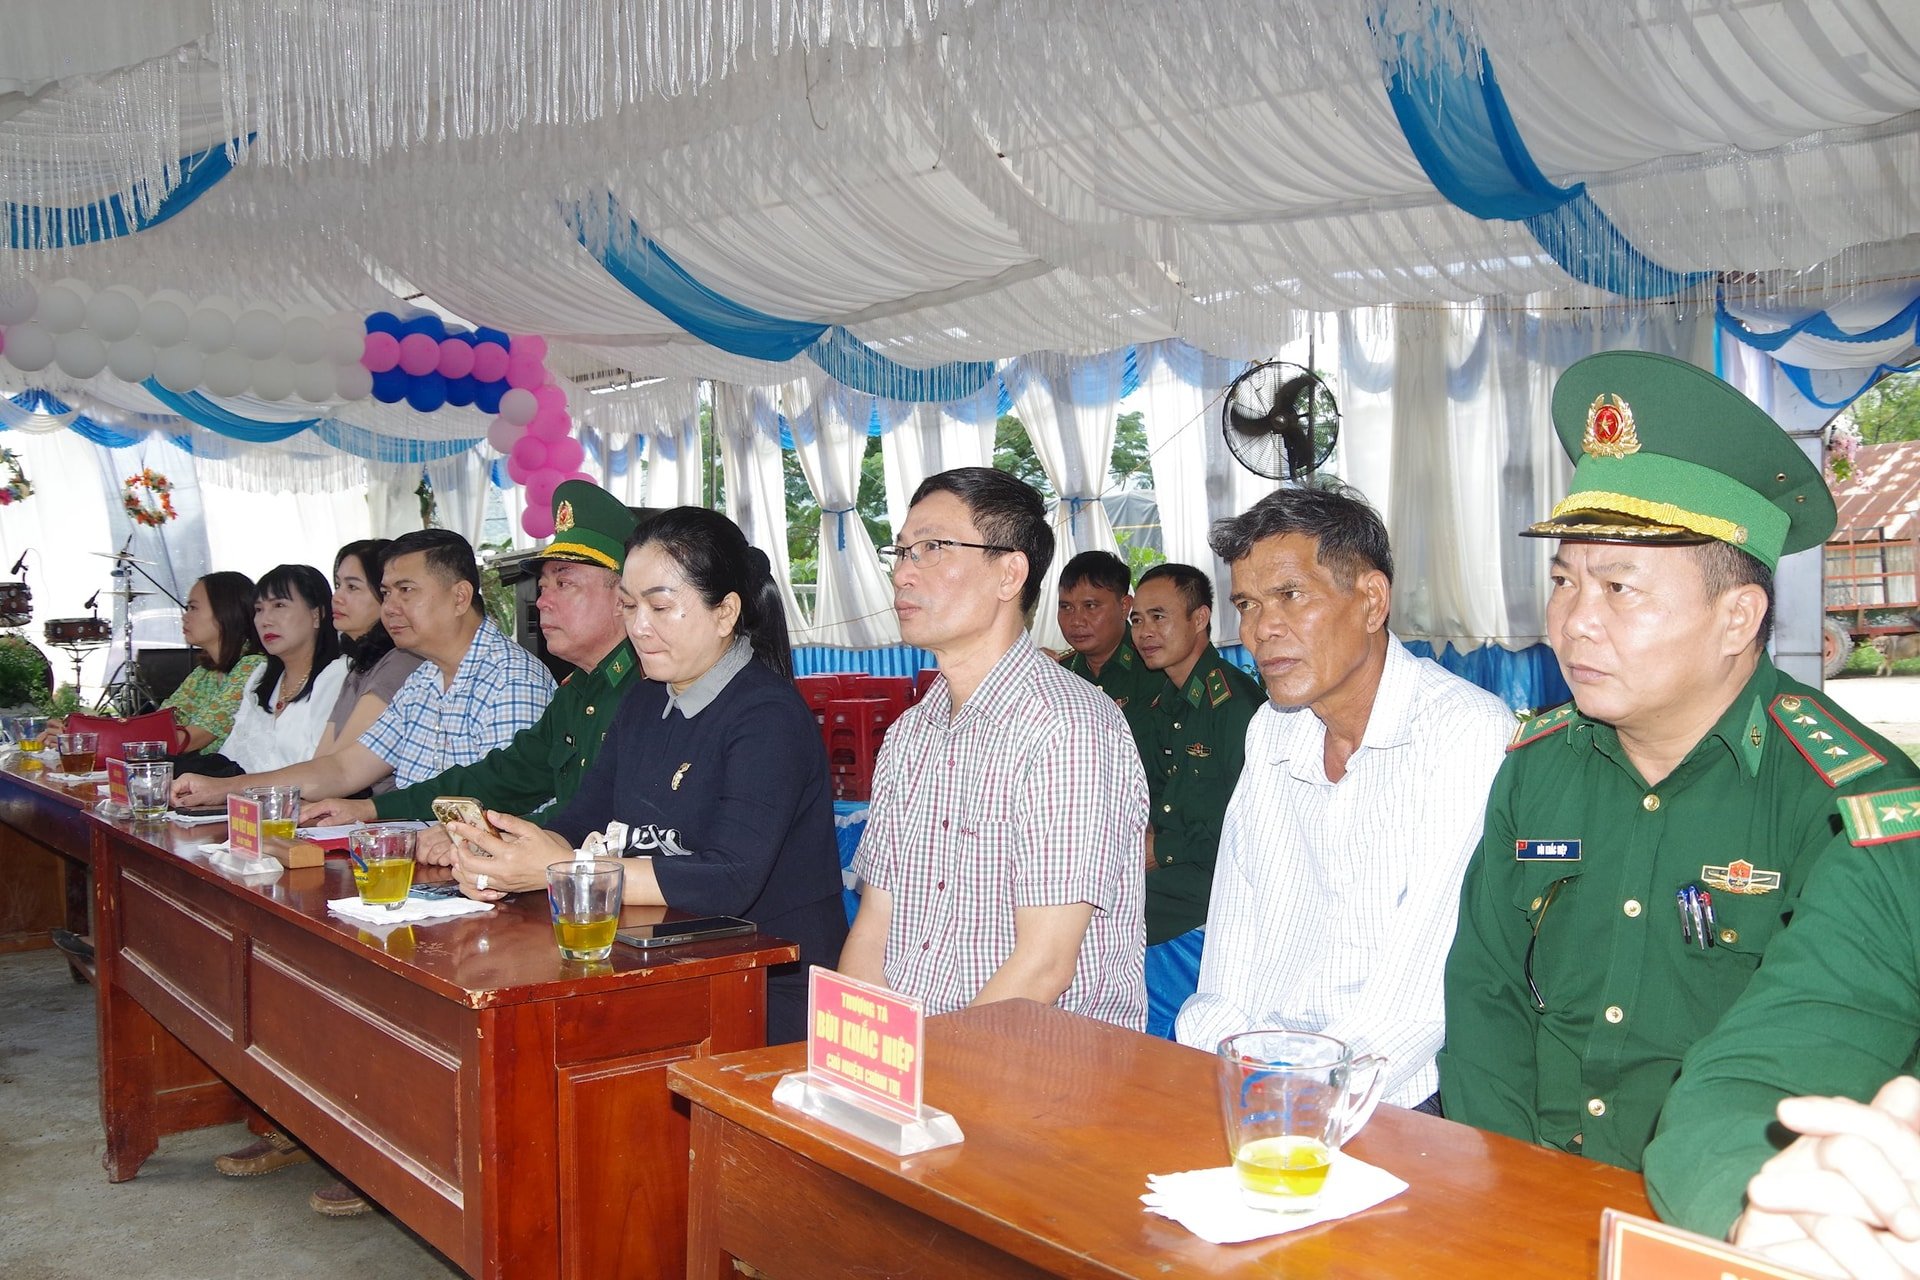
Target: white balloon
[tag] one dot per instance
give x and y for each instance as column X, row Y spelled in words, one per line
column 259, row 334
column 518, row 406
column 131, row 359
column 29, row 347
column 163, row 323
column 210, row 329
column 227, row 373
column 61, row 308
column 113, row 314
column 352, row 381
column 346, row 338
column 315, row 383
column 18, row 299
column 178, row 369
column 273, row 379
column 174, row 296
column 79, row 354
column 305, row 339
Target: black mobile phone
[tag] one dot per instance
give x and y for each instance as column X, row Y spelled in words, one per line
column 671, row 933
column 201, row 810
column 436, row 889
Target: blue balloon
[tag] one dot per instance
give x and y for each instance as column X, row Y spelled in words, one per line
column 428, row 392
column 429, row 324
column 390, row 387
column 460, row 391
column 384, row 322
column 485, row 334
column 486, row 396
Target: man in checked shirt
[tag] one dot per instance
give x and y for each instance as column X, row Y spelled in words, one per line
column 1003, row 857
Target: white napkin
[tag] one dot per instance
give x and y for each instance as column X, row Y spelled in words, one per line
column 408, row 912
column 68, row 779
column 179, row 819
column 1207, row 1202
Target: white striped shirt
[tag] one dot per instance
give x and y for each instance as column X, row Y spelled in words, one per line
column 1334, row 903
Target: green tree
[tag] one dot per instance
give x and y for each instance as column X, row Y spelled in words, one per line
column 1888, row 411
column 803, row 511
column 1131, row 456
column 1013, row 452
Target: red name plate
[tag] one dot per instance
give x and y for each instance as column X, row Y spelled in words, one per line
column 117, row 793
column 243, row 826
column 1641, row 1249
column 864, row 1042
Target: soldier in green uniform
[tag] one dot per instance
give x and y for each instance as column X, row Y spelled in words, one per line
column 1095, row 595
column 1192, row 736
column 580, row 618
column 1644, row 845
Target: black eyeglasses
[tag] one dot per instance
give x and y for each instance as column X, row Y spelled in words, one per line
column 1539, row 918
column 929, row 551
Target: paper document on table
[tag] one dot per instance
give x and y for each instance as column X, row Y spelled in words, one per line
column 341, row 832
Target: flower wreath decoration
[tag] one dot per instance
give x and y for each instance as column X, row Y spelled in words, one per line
column 18, row 488
column 153, row 509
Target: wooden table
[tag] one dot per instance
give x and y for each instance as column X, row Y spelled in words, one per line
column 1064, row 1119
column 510, row 1107
column 43, row 885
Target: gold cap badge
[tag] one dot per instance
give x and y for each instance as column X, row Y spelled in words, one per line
column 1610, row 430
column 563, row 517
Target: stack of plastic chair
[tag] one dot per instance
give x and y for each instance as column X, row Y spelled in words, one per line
column 923, row 681
column 855, row 729
column 897, row 690
column 818, row 691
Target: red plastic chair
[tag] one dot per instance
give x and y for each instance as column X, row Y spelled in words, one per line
column 897, row 690
column 923, row 681
column 855, row 729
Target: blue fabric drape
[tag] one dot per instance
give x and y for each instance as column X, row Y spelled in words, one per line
column 32, row 226
column 196, row 408
column 646, row 270
column 1464, row 137
column 344, row 436
column 1843, row 386
column 35, row 400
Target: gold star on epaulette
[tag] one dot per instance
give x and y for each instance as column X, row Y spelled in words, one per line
column 1836, row 753
column 1882, row 817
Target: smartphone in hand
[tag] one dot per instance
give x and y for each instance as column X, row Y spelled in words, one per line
column 463, row 809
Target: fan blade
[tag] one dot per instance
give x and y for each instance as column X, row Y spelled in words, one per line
column 1249, row 424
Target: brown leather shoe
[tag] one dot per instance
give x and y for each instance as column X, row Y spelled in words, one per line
column 338, row 1200
column 273, row 1150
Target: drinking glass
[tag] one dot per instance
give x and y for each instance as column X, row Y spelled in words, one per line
column 279, row 811
column 76, row 751
column 584, row 895
column 382, row 864
column 150, row 788
column 1290, row 1100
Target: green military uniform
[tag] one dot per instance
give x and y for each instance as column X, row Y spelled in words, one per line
column 546, row 760
column 1192, row 741
column 1835, row 1012
column 1571, row 991
column 1124, row 677
column 1585, row 1065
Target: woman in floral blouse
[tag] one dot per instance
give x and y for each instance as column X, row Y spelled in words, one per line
column 218, row 620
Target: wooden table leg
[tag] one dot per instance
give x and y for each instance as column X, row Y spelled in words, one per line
column 706, row 1259
column 127, row 1034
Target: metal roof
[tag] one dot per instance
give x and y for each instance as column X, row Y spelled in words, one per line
column 1883, row 493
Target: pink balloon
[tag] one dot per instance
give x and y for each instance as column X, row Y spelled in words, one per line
column 517, row 473
column 581, row 475
column 530, row 452
column 540, row 486
column 380, row 353
column 565, row 454
column 538, row 521
column 418, row 354
column 489, row 361
column 549, row 425
column 525, row 373
column 456, row 359
column 550, row 397
column 530, row 345
column 503, row 435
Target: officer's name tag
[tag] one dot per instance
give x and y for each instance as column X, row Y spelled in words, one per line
column 1546, row 851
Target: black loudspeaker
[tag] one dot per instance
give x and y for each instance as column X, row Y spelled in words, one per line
column 162, row 670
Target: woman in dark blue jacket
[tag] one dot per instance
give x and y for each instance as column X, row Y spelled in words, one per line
column 713, row 781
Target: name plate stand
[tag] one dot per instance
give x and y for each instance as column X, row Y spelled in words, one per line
column 1635, row 1248
column 864, row 1066
column 119, row 802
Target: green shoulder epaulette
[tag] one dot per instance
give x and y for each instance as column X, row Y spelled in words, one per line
column 1541, row 725
column 1882, row 817
column 1829, row 746
column 1218, row 691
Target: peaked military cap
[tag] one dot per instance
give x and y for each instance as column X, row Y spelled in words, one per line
column 1667, row 454
column 590, row 526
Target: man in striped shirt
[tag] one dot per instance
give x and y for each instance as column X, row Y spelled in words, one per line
column 1003, row 857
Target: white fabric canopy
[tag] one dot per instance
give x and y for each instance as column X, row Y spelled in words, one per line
column 927, row 439
column 747, row 420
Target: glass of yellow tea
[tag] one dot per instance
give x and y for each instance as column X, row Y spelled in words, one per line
column 279, row 811
column 76, row 751
column 584, row 895
column 29, row 734
column 1291, row 1099
column 382, row 864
